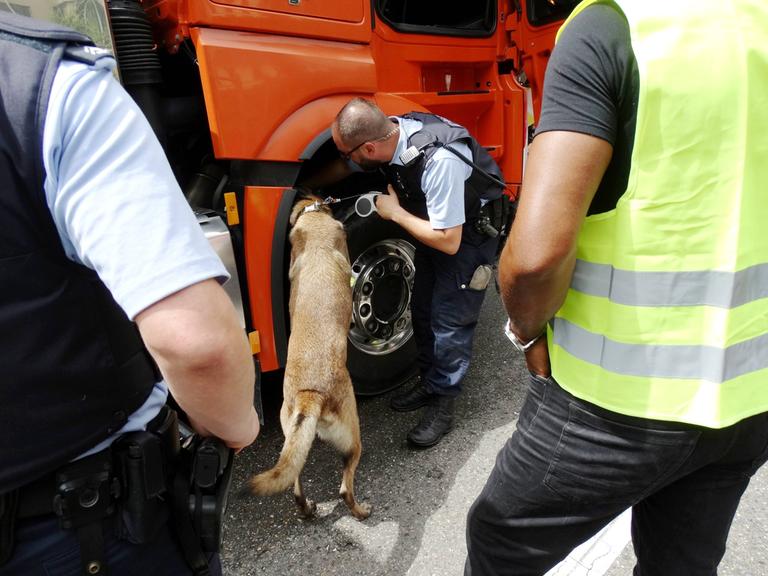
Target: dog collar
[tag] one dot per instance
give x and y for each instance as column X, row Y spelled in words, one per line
column 316, row 206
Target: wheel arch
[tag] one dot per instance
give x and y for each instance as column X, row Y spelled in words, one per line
column 304, row 131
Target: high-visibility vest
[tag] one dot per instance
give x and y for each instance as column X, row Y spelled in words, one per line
column 667, row 312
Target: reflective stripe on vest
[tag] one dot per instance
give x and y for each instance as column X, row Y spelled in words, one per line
column 683, row 288
column 663, row 361
column 667, row 313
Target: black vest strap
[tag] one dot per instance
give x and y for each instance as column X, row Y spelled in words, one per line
column 437, row 132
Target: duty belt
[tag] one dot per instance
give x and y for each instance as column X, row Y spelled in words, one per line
column 130, row 475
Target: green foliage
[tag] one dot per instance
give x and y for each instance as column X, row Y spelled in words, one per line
column 88, row 17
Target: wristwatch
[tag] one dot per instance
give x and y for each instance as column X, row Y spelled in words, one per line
column 522, row 346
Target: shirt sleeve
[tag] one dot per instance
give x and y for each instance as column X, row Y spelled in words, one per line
column 584, row 77
column 443, row 185
column 113, row 196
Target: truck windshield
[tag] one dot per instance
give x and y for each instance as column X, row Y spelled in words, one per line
column 475, row 18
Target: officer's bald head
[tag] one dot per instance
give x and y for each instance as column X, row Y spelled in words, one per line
column 361, row 121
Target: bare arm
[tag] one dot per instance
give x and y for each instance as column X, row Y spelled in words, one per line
column 446, row 240
column 563, row 172
column 197, row 342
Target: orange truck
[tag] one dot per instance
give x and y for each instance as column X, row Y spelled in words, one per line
column 241, row 94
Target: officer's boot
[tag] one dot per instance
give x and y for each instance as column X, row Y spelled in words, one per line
column 436, row 421
column 414, row 399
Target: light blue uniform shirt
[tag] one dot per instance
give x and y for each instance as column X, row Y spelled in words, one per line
column 443, row 178
column 115, row 201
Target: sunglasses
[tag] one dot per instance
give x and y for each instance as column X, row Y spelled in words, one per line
column 347, row 155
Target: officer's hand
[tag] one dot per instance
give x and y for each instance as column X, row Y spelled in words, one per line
column 387, row 204
column 537, row 358
column 251, row 432
column 247, row 433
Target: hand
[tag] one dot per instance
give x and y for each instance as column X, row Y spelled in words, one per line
column 387, row 204
column 537, row 358
column 249, row 432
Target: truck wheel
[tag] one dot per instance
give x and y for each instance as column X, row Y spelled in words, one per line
column 381, row 354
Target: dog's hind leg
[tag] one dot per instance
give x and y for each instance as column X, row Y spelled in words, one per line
column 307, row 507
column 344, row 434
column 361, row 511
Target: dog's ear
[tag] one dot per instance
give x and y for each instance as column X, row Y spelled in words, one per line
column 297, row 236
column 297, row 208
column 304, row 193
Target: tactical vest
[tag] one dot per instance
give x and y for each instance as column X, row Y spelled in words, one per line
column 667, row 312
column 72, row 366
column 437, row 131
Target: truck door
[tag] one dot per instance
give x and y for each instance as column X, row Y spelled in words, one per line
column 530, row 28
column 526, row 38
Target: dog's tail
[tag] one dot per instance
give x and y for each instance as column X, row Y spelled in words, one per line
column 298, row 441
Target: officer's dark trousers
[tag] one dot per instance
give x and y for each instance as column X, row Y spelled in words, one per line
column 445, row 310
column 571, row 467
column 44, row 549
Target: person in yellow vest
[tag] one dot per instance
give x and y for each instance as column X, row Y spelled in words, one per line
column 636, row 283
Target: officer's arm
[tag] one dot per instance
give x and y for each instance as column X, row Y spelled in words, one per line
column 196, row 340
column 447, row 240
column 562, row 174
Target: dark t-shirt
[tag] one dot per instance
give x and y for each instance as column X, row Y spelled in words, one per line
column 591, row 87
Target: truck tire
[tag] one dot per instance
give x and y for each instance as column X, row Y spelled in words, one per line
column 381, row 351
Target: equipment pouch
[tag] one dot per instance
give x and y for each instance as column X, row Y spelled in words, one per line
column 481, row 277
column 144, row 473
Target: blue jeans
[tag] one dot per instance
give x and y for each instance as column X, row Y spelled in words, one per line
column 44, row 549
column 445, row 312
column 571, row 467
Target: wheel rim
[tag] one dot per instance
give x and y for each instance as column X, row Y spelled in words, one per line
column 382, row 281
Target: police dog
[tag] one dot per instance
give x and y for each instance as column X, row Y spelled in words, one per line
column 317, row 391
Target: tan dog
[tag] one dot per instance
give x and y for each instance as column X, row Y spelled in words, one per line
column 317, row 390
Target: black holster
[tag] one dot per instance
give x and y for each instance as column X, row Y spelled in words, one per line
column 495, row 218
column 201, row 486
column 145, row 464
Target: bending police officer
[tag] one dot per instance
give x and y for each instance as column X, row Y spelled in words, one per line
column 436, row 196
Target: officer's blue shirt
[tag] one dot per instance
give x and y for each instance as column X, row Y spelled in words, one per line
column 116, row 203
column 443, row 178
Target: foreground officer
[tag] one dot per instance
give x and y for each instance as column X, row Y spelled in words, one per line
column 443, row 177
column 94, row 233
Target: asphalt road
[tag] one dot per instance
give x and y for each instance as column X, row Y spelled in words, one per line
column 420, row 498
